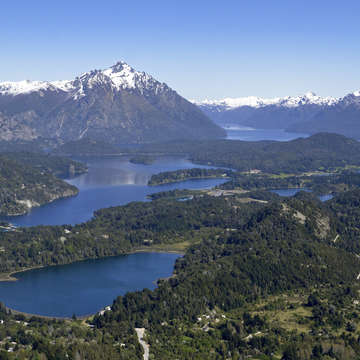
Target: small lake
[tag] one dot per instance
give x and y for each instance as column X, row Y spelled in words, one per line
column 238, row 132
column 294, row 191
column 84, row 287
column 109, row 182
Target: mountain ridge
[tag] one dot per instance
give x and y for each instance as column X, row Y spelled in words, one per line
column 118, row 105
column 256, row 101
column 307, row 113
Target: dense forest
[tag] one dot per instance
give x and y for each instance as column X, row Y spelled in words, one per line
column 330, row 183
column 188, row 174
column 117, row 230
column 86, row 146
column 58, row 166
column 262, row 276
column 319, row 152
column 258, row 280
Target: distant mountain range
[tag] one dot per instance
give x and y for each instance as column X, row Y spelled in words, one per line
column 116, row 105
column 306, row 114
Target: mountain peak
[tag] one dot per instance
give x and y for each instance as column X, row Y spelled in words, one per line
column 121, row 66
column 117, row 104
column 123, row 76
column 310, row 94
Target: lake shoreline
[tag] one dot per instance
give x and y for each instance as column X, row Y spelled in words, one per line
column 173, row 181
column 10, row 275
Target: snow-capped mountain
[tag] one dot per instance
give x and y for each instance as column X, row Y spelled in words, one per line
column 118, row 104
column 307, row 113
column 120, row 76
column 258, row 102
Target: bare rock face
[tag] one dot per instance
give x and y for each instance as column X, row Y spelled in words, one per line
column 118, row 105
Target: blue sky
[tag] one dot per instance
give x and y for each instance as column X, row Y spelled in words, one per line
column 203, row 49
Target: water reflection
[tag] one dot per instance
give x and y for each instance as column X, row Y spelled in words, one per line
column 110, row 182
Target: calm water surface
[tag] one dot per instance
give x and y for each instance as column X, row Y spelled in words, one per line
column 294, row 191
column 110, row 182
column 237, row 132
column 85, row 287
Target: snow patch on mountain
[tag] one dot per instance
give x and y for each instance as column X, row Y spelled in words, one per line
column 23, row 87
column 258, row 102
column 119, row 76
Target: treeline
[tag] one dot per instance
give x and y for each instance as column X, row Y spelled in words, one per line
column 58, row 166
column 85, row 147
column 117, row 230
column 319, row 184
column 142, row 159
column 188, row 174
column 318, row 152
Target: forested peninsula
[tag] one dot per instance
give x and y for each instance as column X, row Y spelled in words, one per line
column 29, row 179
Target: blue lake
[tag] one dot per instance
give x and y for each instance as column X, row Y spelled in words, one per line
column 294, row 191
column 289, row 192
column 110, row 182
column 238, row 132
column 85, row 287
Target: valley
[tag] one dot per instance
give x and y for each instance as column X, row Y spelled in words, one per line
column 170, row 189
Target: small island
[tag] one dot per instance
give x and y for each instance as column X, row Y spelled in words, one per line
column 188, row 174
column 142, row 160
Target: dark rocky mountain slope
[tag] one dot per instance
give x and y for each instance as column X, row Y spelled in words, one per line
column 116, row 105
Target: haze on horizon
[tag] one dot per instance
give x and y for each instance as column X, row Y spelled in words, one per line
column 201, row 49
